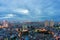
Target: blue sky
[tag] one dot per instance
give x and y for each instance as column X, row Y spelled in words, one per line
column 30, row 10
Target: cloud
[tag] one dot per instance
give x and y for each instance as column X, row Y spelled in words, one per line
column 31, row 9
column 21, row 11
column 3, row 9
column 8, row 16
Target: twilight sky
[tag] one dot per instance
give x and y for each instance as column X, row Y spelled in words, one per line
column 30, row 10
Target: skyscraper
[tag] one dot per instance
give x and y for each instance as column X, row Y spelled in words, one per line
column 46, row 23
column 5, row 23
column 51, row 23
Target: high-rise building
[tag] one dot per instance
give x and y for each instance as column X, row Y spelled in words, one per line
column 59, row 24
column 0, row 26
column 46, row 23
column 51, row 23
column 24, row 27
column 5, row 23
